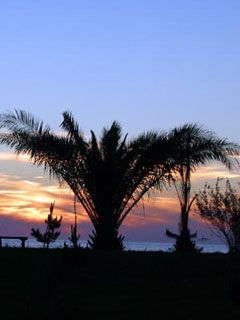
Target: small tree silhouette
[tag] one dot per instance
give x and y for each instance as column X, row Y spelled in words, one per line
column 74, row 237
column 50, row 235
column 221, row 211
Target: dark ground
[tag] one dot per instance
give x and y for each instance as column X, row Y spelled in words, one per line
column 63, row 284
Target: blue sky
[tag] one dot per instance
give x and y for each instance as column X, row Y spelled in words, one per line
column 150, row 64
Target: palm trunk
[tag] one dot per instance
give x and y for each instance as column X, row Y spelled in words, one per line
column 106, row 237
column 184, row 219
column 184, row 242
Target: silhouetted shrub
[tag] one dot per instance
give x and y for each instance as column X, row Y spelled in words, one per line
column 221, row 211
column 50, row 235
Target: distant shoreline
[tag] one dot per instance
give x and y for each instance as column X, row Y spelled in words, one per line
column 129, row 245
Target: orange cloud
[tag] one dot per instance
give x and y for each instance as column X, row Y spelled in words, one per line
column 27, row 199
column 14, row 157
column 209, row 172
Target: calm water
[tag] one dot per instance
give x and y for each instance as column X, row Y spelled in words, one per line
column 139, row 246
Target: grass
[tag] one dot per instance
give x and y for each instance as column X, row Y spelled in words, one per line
column 63, row 284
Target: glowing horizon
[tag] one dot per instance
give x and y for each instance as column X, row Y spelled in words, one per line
column 26, row 200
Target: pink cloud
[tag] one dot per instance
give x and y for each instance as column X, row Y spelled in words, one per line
column 25, row 204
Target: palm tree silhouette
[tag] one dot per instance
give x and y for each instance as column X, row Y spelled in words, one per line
column 194, row 146
column 108, row 176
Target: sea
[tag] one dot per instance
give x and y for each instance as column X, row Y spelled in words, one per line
column 129, row 245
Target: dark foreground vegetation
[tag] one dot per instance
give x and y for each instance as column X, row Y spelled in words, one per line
column 68, row 284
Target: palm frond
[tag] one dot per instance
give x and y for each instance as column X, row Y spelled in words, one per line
column 195, row 145
column 20, row 121
column 110, row 140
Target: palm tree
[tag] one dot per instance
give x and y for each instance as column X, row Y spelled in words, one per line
column 194, row 146
column 108, row 176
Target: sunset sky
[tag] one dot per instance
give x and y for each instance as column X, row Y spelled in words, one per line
column 150, row 64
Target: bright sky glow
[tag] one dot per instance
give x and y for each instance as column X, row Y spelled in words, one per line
column 25, row 203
